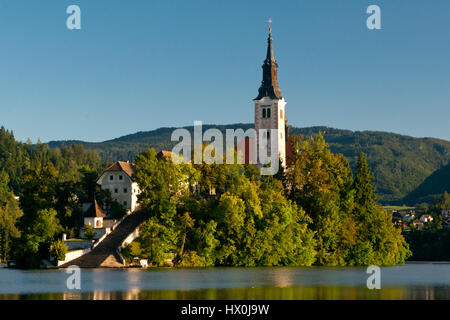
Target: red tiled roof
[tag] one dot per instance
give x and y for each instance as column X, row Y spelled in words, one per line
column 164, row 154
column 127, row 167
column 246, row 144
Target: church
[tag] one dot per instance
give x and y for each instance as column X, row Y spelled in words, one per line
column 270, row 116
column 270, row 126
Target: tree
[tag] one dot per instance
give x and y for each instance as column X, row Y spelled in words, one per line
column 257, row 225
column 185, row 224
column 378, row 240
column 158, row 242
column 88, row 232
column 320, row 183
column 35, row 242
column 163, row 186
column 58, row 250
column 9, row 215
column 365, row 200
column 161, row 182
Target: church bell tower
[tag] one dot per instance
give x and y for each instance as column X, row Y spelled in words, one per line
column 270, row 105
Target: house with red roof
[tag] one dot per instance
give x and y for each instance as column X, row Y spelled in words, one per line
column 119, row 180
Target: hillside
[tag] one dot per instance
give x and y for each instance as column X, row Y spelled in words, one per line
column 400, row 163
column 433, row 186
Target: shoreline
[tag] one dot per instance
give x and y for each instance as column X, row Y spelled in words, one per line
column 427, row 262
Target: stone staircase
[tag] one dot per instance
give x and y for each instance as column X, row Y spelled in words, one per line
column 106, row 254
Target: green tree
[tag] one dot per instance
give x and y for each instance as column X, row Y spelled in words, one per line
column 378, row 240
column 9, row 215
column 89, row 232
column 365, row 200
column 34, row 245
column 58, row 250
column 320, row 183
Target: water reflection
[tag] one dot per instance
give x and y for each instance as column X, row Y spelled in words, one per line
column 403, row 282
column 261, row 293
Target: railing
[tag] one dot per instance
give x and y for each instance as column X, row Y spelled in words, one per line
column 122, row 261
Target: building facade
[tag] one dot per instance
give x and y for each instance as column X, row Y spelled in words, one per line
column 118, row 179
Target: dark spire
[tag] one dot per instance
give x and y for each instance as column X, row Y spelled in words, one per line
column 269, row 85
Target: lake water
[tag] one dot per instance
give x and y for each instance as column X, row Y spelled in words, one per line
column 411, row 281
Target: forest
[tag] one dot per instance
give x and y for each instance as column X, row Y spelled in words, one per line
column 399, row 163
column 316, row 212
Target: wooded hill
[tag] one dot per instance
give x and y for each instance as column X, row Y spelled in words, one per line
column 400, row 163
column 432, row 188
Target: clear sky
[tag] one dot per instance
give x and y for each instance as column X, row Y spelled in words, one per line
column 139, row 65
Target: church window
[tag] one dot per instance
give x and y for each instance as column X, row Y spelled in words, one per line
column 265, row 111
column 125, row 190
column 111, row 177
column 268, row 134
column 125, row 203
column 120, row 177
column 116, row 190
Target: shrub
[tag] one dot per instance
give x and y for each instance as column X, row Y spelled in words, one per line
column 88, row 232
column 58, row 250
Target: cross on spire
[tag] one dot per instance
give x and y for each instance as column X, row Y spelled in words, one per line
column 270, row 24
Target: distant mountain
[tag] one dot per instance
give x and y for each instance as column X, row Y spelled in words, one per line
column 432, row 188
column 400, row 163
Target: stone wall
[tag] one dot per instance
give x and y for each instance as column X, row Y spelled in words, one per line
column 78, row 244
column 72, row 255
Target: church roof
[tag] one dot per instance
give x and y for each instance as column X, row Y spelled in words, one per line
column 127, row 167
column 269, row 85
column 249, row 151
column 164, row 154
column 95, row 211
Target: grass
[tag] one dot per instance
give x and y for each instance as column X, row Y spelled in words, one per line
column 398, row 208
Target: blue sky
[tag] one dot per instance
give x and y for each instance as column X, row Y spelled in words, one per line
column 139, row 65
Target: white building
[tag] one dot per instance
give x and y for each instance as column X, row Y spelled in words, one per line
column 426, row 218
column 118, row 179
column 93, row 215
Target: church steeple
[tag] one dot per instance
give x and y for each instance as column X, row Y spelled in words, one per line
column 269, row 85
